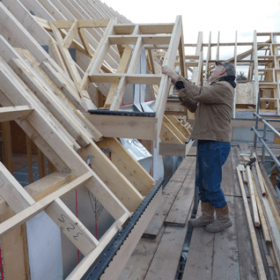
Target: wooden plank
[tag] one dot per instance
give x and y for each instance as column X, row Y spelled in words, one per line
column 121, row 69
column 260, row 209
column 145, row 79
column 43, row 94
column 174, row 129
column 235, row 67
column 31, row 210
column 84, row 40
column 82, row 23
column 21, row 202
column 99, row 55
column 235, row 162
column 253, row 197
column 182, row 171
column 247, row 265
column 169, row 193
column 7, row 143
column 13, row 247
column 95, row 132
column 71, row 226
column 213, row 256
column 207, row 60
column 71, row 66
column 29, row 159
column 178, row 125
column 131, row 70
column 119, row 261
column 256, row 66
column 127, row 165
column 200, row 257
column 168, row 136
column 115, row 180
column 132, row 39
column 272, row 227
column 57, row 55
column 13, row 113
column 65, row 87
column 124, row 126
column 12, row 192
column 51, row 102
column 67, row 41
column 181, row 207
column 256, row 250
column 41, row 164
column 88, row 260
column 167, row 257
column 41, row 188
column 226, row 263
column 165, row 81
column 183, row 67
column 272, row 196
column 260, row 177
column 141, row 258
column 157, row 221
column 152, row 61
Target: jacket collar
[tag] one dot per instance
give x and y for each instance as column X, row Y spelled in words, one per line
column 229, row 79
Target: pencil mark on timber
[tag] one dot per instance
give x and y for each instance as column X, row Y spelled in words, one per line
column 76, row 236
column 69, row 228
column 62, row 219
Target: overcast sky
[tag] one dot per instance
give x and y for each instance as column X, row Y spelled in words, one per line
column 227, row 17
column 214, row 15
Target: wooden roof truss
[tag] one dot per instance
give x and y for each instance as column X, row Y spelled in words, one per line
column 67, row 140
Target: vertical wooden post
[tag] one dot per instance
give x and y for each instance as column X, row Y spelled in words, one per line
column 235, row 65
column 41, row 164
column 7, row 141
column 51, row 167
column 29, row 159
column 256, row 66
column 218, row 47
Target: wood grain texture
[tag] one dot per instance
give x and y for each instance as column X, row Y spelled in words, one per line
column 166, row 259
column 181, row 207
column 169, row 193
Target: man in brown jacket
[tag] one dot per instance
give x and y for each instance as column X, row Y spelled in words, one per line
column 213, row 107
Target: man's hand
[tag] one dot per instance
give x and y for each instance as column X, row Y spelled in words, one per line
column 169, row 72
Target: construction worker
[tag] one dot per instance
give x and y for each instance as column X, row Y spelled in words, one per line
column 213, row 107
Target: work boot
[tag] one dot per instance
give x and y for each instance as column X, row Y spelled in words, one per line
column 222, row 221
column 207, row 216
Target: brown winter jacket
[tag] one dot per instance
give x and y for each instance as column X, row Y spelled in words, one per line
column 213, row 111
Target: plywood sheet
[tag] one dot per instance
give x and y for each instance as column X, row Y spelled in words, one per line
column 245, row 93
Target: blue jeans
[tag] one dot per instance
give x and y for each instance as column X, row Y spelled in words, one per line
column 211, row 156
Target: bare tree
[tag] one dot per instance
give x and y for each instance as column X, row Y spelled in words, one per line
column 241, row 76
